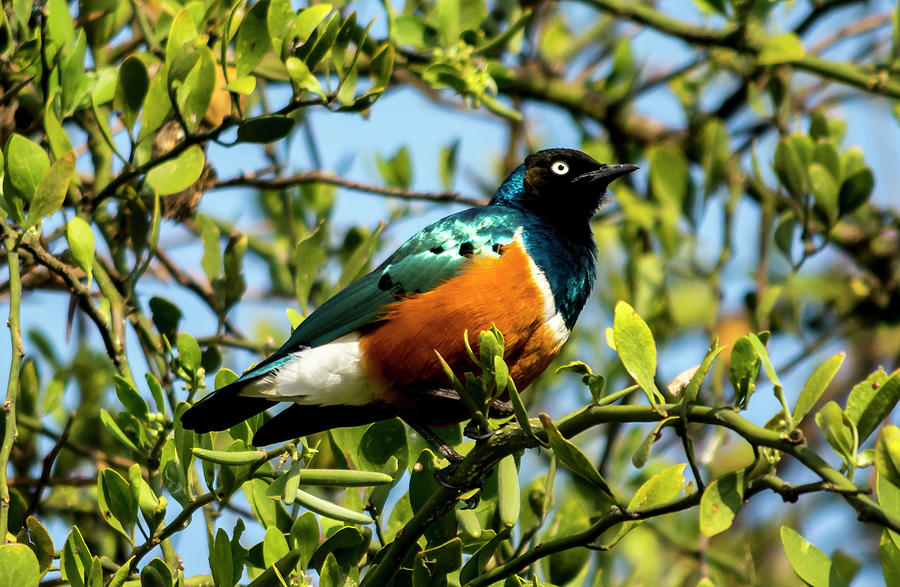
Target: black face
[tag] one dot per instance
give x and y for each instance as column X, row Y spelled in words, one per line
column 569, row 182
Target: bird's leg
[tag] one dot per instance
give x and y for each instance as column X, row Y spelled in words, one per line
column 437, row 442
column 500, row 409
column 451, row 455
column 497, row 409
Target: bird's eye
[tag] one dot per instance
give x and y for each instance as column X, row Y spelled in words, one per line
column 559, row 168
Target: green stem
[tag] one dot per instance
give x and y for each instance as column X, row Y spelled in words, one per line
column 12, row 391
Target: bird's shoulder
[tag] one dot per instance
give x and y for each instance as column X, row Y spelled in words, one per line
column 431, row 256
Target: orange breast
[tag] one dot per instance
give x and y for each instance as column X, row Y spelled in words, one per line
column 399, row 349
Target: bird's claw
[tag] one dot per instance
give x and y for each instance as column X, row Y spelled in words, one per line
column 476, row 433
column 442, row 477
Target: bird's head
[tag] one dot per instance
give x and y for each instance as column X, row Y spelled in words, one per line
column 560, row 182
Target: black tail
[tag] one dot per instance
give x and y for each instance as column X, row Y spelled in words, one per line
column 223, row 408
column 300, row 420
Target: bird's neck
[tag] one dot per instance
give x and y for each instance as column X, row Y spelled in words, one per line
column 566, row 256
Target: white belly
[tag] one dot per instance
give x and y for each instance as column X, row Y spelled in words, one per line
column 330, row 374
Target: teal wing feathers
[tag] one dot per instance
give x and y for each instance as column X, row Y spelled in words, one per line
column 433, row 255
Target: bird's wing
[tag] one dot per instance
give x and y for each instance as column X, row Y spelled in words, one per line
column 432, row 256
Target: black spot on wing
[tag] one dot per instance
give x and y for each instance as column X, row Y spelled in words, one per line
column 437, row 250
column 386, row 283
column 497, row 248
column 467, row 249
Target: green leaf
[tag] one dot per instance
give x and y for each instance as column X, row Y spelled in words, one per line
column 870, row 401
column 448, row 21
column 166, row 316
column 410, row 29
column 194, row 93
column 572, row 456
column 397, row 169
column 56, row 134
column 188, row 352
column 330, row 510
column 508, row 491
column 132, row 85
column 35, row 536
column 302, row 76
column 75, row 559
column 480, row 559
column 25, row 164
column 720, row 503
column 242, row 85
column 221, row 457
column 693, row 387
column 642, row 453
column 660, row 488
column 211, row 261
column 74, row 83
column 889, row 554
column 20, row 566
column 264, row 129
column 759, row 346
column 156, row 574
column 308, row 259
column 810, row 563
column 220, row 562
column 816, row 385
column 563, row 567
column 81, row 244
column 275, row 546
column 306, row 22
column 274, row 576
column 278, row 22
column 130, row 399
column 354, row 265
column 51, row 190
column 115, row 501
column 781, row 49
column 825, row 190
column 233, row 285
column 887, row 459
column 838, row 429
column 447, row 163
column 304, row 537
column 668, row 174
column 253, row 40
column 636, row 349
column 744, row 369
column 116, row 431
column 324, row 42
column 178, row 174
column 790, row 169
column 182, row 32
column 434, row 564
column 157, row 104
column 855, row 191
column 381, row 67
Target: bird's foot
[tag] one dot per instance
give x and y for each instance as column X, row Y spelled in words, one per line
column 474, row 431
column 443, row 478
column 500, row 409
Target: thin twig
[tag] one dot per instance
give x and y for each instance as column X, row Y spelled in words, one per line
column 47, row 467
column 307, row 177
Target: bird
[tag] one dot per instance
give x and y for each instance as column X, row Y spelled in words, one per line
column 524, row 263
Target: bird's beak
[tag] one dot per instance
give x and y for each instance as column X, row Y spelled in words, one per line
column 607, row 173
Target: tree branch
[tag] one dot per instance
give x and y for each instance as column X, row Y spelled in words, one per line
column 316, row 176
column 12, row 389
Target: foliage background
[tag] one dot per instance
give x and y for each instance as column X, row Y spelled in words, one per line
column 696, row 243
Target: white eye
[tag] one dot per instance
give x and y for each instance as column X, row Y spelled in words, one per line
column 559, row 168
